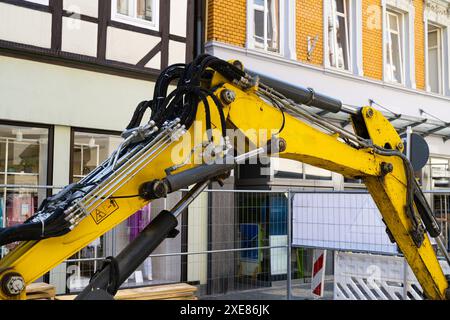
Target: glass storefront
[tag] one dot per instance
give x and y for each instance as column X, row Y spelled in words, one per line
column 88, row 151
column 436, row 176
column 23, row 167
column 262, row 221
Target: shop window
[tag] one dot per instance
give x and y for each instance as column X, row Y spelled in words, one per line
column 441, row 209
column 339, row 34
column 262, row 221
column 435, row 61
column 440, row 172
column 315, row 173
column 88, row 151
column 142, row 13
column 353, row 181
column 290, row 169
column 395, row 47
column 23, row 165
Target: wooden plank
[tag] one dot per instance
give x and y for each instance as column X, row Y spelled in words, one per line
column 37, row 291
column 179, row 291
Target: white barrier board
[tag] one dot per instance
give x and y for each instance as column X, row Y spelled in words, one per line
column 343, row 221
column 359, row 276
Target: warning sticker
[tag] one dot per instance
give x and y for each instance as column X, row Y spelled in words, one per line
column 104, row 211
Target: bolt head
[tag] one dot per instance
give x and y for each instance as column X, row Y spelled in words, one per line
column 282, row 145
column 13, row 284
column 387, row 167
column 400, row 146
column 369, row 113
column 160, row 189
column 228, row 96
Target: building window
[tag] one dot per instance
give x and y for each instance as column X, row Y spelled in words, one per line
column 439, row 173
column 435, row 61
column 267, row 24
column 89, row 149
column 24, row 156
column 271, row 26
column 339, row 34
column 394, row 47
column 291, row 169
column 142, row 13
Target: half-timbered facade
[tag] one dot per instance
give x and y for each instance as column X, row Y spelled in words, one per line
column 71, row 74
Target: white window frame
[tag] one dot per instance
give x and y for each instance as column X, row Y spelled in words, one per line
column 354, row 26
column 407, row 9
column 43, row 2
column 287, row 29
column 152, row 25
column 437, row 15
column 347, row 18
column 265, row 10
column 440, row 48
column 400, row 32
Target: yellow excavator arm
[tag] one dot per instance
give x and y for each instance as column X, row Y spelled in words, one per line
column 220, row 115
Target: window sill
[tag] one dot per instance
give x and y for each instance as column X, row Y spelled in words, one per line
column 43, row 2
column 341, row 71
column 277, row 58
column 135, row 22
column 396, row 84
column 271, row 53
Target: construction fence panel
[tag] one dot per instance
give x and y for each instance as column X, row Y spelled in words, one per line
column 232, row 245
column 250, row 244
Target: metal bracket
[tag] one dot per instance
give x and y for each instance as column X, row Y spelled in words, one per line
column 311, row 46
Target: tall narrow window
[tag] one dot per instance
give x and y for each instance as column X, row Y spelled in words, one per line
column 23, row 164
column 435, row 64
column 338, row 34
column 138, row 12
column 267, row 24
column 394, row 47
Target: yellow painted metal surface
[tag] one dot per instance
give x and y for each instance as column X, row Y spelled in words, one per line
column 249, row 114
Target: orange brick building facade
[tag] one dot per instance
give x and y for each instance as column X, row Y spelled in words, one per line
column 227, row 23
column 386, row 61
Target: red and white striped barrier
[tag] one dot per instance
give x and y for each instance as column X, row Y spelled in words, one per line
column 318, row 273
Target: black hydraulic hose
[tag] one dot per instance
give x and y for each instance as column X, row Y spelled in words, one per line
column 139, row 114
column 220, row 107
column 54, row 225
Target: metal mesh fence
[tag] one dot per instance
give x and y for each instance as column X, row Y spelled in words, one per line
column 242, row 244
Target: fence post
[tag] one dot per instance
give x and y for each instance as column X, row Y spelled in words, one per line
column 405, row 263
column 289, row 247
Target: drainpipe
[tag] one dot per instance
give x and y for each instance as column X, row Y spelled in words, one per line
column 200, row 26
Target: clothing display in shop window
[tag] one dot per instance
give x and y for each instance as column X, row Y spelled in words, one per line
column 19, row 207
column 136, row 223
column 1, row 212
